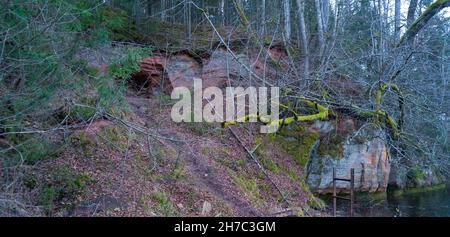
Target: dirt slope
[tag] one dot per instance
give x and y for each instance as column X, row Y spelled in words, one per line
column 111, row 168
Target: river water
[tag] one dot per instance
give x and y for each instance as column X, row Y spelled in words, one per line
column 434, row 203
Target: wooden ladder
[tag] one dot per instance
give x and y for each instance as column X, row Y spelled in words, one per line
column 352, row 190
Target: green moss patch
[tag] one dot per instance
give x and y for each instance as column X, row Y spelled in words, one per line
column 63, row 188
column 249, row 185
column 297, row 142
column 163, row 204
column 332, row 146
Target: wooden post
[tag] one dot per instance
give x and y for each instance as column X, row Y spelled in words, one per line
column 334, row 192
column 352, row 187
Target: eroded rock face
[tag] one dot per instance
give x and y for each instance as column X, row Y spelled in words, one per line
column 421, row 176
column 221, row 66
column 216, row 70
column 153, row 68
column 151, row 74
column 369, row 159
column 181, row 70
column 428, row 177
column 278, row 53
column 174, row 71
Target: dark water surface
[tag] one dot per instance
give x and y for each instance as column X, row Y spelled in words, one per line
column 435, row 203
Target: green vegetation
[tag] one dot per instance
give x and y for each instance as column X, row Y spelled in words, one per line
column 30, row 181
column 270, row 165
column 163, row 204
column 65, row 65
column 45, row 85
column 416, row 174
column 86, row 108
column 81, row 141
column 114, row 134
column 108, row 137
column 178, row 169
column 38, row 148
column 30, row 149
column 332, row 146
column 261, row 151
column 200, row 128
column 124, row 68
column 418, row 190
column 320, row 113
column 297, row 142
column 62, row 188
column 248, row 185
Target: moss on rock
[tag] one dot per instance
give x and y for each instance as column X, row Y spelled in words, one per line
column 297, row 142
column 332, row 146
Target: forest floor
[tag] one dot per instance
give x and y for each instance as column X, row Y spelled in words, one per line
column 144, row 164
column 110, row 168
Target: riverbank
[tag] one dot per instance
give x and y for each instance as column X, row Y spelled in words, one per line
column 418, row 202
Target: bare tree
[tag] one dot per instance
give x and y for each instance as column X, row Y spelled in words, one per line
column 287, row 19
column 423, row 19
column 187, row 19
column 263, row 17
column 163, row 10
column 222, row 12
column 326, row 13
column 303, row 36
column 397, row 19
column 411, row 12
column 320, row 27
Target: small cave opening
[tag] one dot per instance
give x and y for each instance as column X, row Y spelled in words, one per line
column 145, row 83
column 152, row 76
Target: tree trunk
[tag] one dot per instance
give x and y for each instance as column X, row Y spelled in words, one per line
column 336, row 19
column 422, row 20
column 397, row 20
column 187, row 19
column 320, row 33
column 240, row 10
column 135, row 13
column 149, row 8
column 163, row 10
column 326, row 13
column 411, row 12
column 303, row 36
column 287, row 19
column 222, row 12
column 263, row 17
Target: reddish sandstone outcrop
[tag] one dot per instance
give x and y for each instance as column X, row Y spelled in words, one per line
column 278, row 53
column 168, row 72
column 216, row 70
column 152, row 71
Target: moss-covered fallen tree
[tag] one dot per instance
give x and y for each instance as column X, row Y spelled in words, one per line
column 322, row 113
